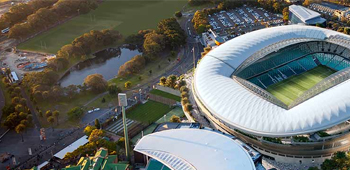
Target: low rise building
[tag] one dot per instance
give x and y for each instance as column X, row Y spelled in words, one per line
column 301, row 15
column 101, row 161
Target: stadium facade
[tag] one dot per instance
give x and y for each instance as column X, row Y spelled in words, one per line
column 283, row 90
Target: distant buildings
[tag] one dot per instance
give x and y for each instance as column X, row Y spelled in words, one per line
column 212, row 39
column 291, row 1
column 301, row 15
column 101, row 161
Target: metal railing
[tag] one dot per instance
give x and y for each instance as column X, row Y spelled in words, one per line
column 260, row 92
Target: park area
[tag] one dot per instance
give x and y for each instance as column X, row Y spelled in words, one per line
column 290, row 89
column 127, row 17
column 149, row 112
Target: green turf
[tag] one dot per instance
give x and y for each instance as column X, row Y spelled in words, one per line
column 290, row 89
column 125, row 16
column 148, row 112
column 165, row 94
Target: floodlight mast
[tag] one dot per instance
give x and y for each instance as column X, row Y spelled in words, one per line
column 124, row 102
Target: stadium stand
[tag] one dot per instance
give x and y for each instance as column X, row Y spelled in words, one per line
column 294, row 60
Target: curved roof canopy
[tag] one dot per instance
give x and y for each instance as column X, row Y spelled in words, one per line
column 195, row 149
column 240, row 108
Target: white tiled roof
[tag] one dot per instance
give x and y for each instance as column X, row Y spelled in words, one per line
column 234, row 104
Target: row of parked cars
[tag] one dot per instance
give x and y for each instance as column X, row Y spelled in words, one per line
column 94, row 110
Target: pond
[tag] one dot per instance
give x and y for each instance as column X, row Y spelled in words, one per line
column 106, row 63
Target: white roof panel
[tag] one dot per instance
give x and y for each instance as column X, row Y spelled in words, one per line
column 303, row 13
column 70, row 148
column 195, row 149
column 233, row 103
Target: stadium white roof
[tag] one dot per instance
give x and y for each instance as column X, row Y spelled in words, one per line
column 237, row 106
column 195, row 149
column 303, row 13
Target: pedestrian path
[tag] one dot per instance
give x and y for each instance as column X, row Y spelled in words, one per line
column 118, row 125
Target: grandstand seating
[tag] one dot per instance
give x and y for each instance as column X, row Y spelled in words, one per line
column 294, row 60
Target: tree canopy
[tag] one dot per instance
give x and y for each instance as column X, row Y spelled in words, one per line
column 96, row 82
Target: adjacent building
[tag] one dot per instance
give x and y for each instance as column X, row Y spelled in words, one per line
column 193, row 149
column 301, row 15
column 101, row 161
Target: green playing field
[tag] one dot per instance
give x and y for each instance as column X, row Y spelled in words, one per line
column 290, row 89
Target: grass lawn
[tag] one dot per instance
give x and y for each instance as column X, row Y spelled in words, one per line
column 147, row 131
column 290, row 89
column 149, row 112
column 176, row 111
column 165, row 94
column 144, row 74
column 63, row 107
column 110, row 100
column 127, row 17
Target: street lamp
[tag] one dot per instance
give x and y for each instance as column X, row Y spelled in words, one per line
column 124, row 102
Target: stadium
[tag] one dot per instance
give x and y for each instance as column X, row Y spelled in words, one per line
column 283, row 90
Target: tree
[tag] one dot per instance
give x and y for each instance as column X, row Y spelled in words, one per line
column 23, row 101
column 19, row 108
column 30, row 118
column 188, row 107
column 178, row 14
column 276, row 6
column 103, row 100
column 170, row 81
column 96, row 135
column 75, row 113
column 113, row 89
column 175, row 119
column 313, row 168
column 96, row 82
column 56, row 113
column 162, row 81
column 184, row 94
column 285, row 13
column 306, row 3
column 97, row 124
column 40, row 113
column 15, row 100
column 127, row 84
column 154, row 43
column 51, row 120
column 88, row 129
column 132, row 66
column 48, row 113
column 20, row 129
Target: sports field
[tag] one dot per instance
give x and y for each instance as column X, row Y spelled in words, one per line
column 125, row 16
column 149, row 112
column 165, row 94
column 290, row 89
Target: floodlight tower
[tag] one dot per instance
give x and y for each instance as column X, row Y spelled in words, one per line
column 122, row 103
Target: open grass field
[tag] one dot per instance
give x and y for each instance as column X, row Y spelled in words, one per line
column 165, row 94
column 290, row 89
column 127, row 17
column 149, row 112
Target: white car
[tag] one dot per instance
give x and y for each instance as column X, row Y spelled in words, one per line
column 97, row 109
column 90, row 111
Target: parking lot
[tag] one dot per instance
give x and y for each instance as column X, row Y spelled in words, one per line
column 241, row 20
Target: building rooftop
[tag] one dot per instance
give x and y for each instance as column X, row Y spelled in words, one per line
column 101, row 161
column 195, row 149
column 303, row 13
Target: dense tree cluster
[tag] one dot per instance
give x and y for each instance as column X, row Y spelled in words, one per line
column 339, row 161
column 132, row 66
column 273, row 6
column 174, row 35
column 19, row 12
column 88, row 43
column 45, row 17
column 96, row 82
column 172, row 81
column 75, row 113
column 200, row 22
column 169, row 35
column 17, row 115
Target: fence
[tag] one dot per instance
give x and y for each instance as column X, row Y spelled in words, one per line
column 168, row 90
column 161, row 99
